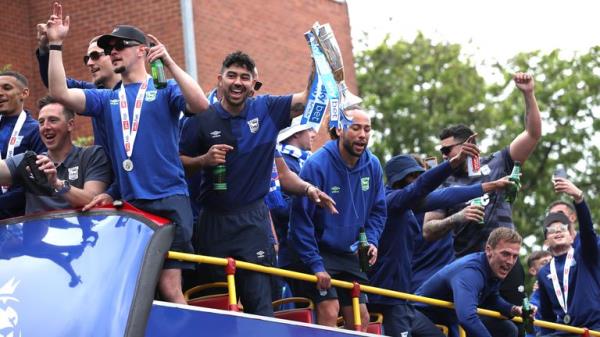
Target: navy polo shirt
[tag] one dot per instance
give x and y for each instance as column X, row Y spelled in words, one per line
column 253, row 135
column 469, row 237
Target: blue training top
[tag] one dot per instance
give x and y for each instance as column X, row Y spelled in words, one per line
column 253, row 135
column 468, row 282
column 584, row 279
column 393, row 267
column 157, row 171
column 360, row 200
column 431, row 256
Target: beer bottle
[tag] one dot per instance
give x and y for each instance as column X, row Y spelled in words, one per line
column 527, row 319
column 219, row 181
column 363, row 250
column 157, row 68
column 510, row 193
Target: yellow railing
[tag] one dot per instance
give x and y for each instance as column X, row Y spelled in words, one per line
column 348, row 285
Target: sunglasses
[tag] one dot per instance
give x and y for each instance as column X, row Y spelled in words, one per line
column 120, row 45
column 445, row 150
column 557, row 228
column 94, row 56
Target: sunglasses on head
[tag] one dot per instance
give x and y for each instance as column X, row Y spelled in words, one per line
column 120, row 45
column 557, row 228
column 445, row 150
column 94, row 56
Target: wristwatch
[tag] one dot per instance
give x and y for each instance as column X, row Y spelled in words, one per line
column 66, row 187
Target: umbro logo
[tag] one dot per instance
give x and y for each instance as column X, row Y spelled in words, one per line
column 215, row 134
column 260, row 254
column 114, row 102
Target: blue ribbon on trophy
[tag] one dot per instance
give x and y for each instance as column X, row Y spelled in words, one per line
column 341, row 98
column 323, row 89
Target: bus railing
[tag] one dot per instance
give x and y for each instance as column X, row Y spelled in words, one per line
column 231, row 265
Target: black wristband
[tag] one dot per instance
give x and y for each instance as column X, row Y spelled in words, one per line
column 55, row 47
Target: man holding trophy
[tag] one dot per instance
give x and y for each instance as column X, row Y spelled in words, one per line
column 329, row 86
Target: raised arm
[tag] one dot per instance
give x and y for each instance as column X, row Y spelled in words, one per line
column 57, row 30
column 299, row 99
column 587, row 235
column 524, row 144
column 195, row 98
column 449, row 196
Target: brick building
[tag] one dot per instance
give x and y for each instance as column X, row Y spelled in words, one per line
column 271, row 31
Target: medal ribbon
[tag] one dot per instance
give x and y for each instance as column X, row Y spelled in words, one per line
column 130, row 130
column 562, row 300
column 12, row 142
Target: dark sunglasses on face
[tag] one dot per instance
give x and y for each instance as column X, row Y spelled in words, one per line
column 445, row 150
column 94, row 56
column 120, row 45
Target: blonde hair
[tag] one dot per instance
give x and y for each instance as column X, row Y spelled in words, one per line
column 505, row 234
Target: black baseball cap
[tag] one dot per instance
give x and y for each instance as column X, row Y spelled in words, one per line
column 123, row 32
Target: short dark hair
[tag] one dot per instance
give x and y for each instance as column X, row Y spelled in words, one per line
column 460, row 132
column 47, row 100
column 20, row 77
column 333, row 133
column 561, row 202
column 534, row 256
column 503, row 234
column 241, row 59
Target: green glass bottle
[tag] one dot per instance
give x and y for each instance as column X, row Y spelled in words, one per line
column 363, row 250
column 157, row 69
column 527, row 319
column 510, row 193
column 219, row 178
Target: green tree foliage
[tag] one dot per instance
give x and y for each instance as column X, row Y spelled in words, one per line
column 568, row 93
column 417, row 88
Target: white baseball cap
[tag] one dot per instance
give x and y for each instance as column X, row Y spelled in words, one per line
column 291, row 130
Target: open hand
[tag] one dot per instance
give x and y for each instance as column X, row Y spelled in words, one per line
column 57, row 28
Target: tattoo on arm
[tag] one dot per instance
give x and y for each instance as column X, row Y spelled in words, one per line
column 435, row 229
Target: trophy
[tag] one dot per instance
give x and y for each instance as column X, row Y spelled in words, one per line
column 326, row 40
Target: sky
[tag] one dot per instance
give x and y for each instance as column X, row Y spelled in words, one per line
column 489, row 30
